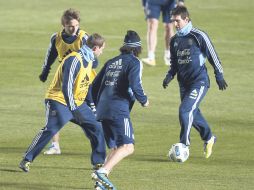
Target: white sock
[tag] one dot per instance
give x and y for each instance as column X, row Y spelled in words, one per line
column 167, row 53
column 151, row 55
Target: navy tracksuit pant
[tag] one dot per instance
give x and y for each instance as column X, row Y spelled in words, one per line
column 190, row 114
column 57, row 115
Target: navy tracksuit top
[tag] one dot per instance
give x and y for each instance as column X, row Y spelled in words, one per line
column 188, row 56
column 117, row 86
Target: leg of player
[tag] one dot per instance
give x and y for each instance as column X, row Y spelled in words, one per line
column 57, row 115
column 121, row 131
column 200, row 123
column 190, row 100
column 93, row 130
column 116, row 156
column 54, row 148
column 169, row 32
column 152, row 27
column 38, row 143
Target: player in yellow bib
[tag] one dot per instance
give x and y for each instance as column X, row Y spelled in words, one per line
column 69, row 40
column 65, row 101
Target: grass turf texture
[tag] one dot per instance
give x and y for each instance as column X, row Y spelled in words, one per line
column 26, row 26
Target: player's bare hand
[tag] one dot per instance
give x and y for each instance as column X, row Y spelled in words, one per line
column 146, row 104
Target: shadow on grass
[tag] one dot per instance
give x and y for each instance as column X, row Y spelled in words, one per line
column 9, row 168
column 86, row 153
column 36, row 186
column 149, row 158
column 12, row 149
column 61, row 168
column 64, row 153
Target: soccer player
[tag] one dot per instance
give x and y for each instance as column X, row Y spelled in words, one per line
column 189, row 49
column 153, row 9
column 117, row 86
column 70, row 39
column 65, row 101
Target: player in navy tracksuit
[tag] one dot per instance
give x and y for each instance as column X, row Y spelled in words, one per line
column 189, row 49
column 116, row 87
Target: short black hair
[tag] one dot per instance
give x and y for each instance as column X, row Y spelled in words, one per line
column 182, row 11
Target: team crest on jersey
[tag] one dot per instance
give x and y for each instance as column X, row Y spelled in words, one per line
column 193, row 94
column 84, row 82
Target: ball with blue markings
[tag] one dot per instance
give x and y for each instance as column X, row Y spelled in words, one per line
column 178, row 152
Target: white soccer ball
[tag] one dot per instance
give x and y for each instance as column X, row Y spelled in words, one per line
column 178, row 152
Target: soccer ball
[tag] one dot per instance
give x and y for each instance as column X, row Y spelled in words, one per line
column 178, row 152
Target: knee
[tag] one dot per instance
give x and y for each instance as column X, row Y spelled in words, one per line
column 153, row 24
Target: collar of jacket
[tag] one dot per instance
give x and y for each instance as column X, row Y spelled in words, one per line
column 185, row 30
column 87, row 53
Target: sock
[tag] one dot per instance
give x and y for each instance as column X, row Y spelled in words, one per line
column 167, row 53
column 151, row 55
column 103, row 170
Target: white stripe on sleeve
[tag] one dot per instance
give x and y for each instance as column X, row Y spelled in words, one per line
column 70, row 83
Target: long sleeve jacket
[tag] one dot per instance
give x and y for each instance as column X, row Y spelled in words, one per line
column 117, row 85
column 189, row 51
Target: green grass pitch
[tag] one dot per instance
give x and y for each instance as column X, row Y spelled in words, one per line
column 25, row 29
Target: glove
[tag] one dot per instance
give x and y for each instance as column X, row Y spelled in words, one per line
column 166, row 81
column 222, row 84
column 44, row 75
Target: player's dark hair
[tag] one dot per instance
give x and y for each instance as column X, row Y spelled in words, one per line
column 127, row 50
column 95, row 40
column 69, row 15
column 132, row 43
column 182, row 11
